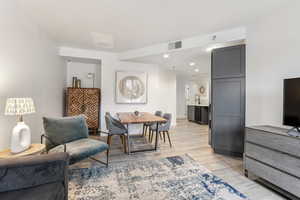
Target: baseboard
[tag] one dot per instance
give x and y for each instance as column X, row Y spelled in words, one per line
column 228, row 153
column 181, row 118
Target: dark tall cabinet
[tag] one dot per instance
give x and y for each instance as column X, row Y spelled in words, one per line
column 84, row 101
column 228, row 100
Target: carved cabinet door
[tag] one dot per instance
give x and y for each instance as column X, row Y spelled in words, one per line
column 75, row 101
column 84, row 101
column 92, row 107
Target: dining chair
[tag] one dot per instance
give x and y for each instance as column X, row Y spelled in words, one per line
column 116, row 128
column 147, row 125
column 162, row 128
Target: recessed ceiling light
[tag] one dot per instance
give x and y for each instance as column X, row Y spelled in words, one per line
column 192, row 63
column 196, row 70
column 166, row 55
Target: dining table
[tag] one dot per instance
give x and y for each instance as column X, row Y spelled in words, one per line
column 128, row 118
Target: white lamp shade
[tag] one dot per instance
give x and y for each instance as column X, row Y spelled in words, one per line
column 19, row 106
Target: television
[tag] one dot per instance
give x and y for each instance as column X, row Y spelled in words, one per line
column 291, row 103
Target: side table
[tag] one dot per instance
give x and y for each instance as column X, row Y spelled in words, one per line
column 34, row 149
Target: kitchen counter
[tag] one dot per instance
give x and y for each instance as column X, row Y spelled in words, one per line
column 203, row 105
column 198, row 113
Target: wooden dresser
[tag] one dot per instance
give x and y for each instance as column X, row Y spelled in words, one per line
column 84, row 101
column 274, row 156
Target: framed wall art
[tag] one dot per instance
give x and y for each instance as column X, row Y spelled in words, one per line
column 131, row 87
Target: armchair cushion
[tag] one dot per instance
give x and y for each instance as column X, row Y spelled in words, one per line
column 81, row 149
column 64, row 130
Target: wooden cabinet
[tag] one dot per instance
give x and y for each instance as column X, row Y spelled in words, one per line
column 84, row 101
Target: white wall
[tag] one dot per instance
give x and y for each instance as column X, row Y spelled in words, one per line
column 161, row 84
column 81, row 70
column 29, row 67
column 181, row 107
column 272, row 55
column 205, row 82
column 193, row 84
column 161, row 89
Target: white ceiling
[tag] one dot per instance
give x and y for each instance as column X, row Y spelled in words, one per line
column 180, row 60
column 138, row 23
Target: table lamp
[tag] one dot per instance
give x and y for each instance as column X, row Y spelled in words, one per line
column 21, row 137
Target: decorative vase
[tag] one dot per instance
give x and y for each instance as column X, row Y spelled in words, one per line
column 136, row 113
column 21, row 138
column 74, row 80
column 78, row 83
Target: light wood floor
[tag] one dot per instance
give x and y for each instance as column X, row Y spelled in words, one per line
column 192, row 139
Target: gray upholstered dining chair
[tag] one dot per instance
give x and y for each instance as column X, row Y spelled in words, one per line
column 162, row 128
column 147, row 125
column 116, row 128
column 71, row 135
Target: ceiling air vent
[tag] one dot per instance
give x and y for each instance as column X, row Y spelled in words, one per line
column 175, row 45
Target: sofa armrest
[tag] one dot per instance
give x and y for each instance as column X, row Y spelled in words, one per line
column 31, row 171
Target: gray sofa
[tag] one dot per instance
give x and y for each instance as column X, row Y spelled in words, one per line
column 42, row 177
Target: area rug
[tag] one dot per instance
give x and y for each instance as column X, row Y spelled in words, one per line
column 172, row 178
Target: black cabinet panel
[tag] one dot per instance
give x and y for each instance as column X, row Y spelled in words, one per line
column 228, row 100
column 228, row 114
column 198, row 114
column 191, row 113
column 204, row 115
column 228, row 62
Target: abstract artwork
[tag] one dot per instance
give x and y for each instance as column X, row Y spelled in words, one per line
column 131, row 87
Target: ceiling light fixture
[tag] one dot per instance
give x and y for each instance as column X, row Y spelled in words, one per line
column 166, row 55
column 196, row 70
column 192, row 64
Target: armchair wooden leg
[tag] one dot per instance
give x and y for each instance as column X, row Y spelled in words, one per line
column 169, row 138
column 160, row 136
column 164, row 134
column 124, row 143
column 122, row 139
column 128, row 144
column 145, row 133
column 107, row 157
column 150, row 135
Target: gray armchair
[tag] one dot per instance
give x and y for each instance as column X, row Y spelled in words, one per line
column 35, row 177
column 70, row 134
column 163, row 128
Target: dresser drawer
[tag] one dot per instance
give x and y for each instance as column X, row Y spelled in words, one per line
column 278, row 142
column 282, row 161
column 276, row 177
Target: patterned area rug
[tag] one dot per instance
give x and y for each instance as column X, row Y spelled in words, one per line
column 175, row 178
